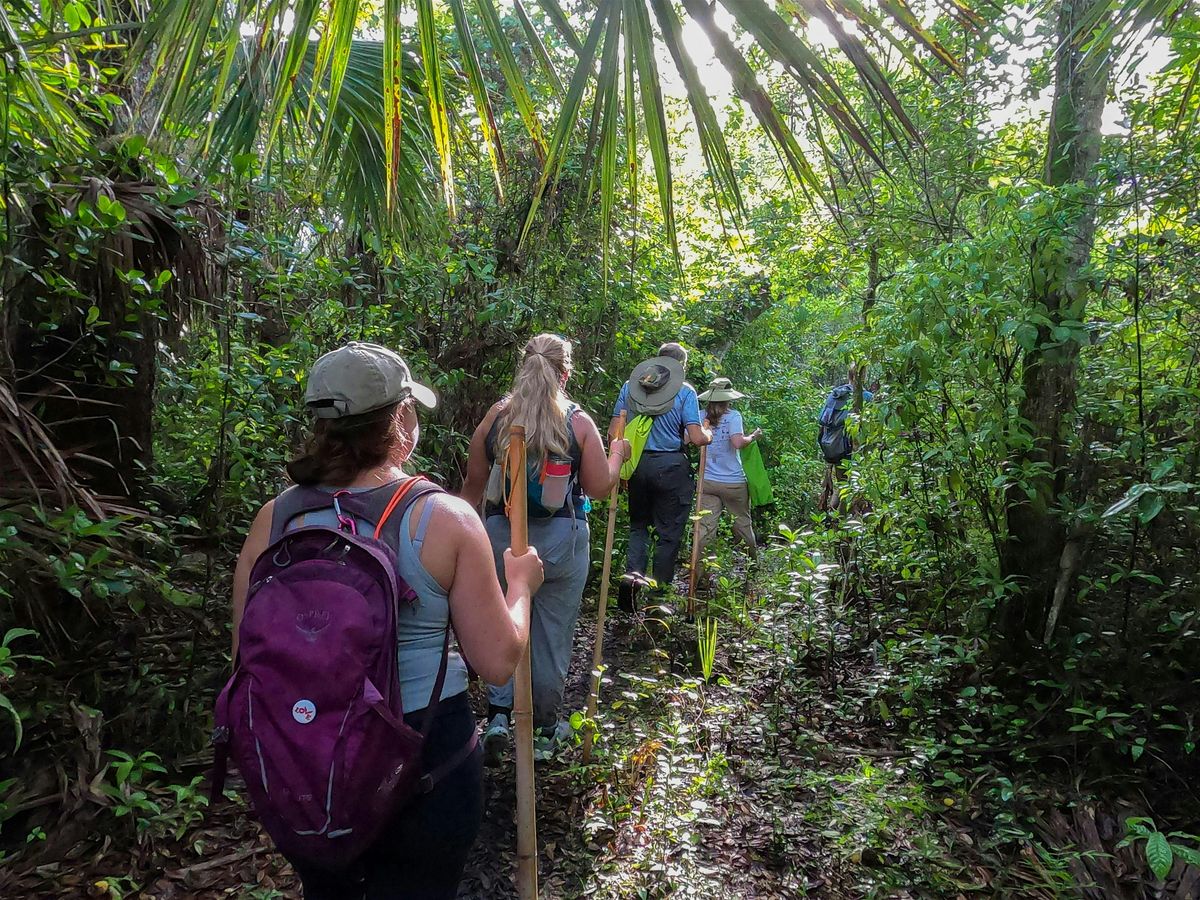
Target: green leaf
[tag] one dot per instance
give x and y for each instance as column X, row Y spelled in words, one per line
column 1158, row 854
column 556, row 153
column 1149, row 506
column 435, row 97
column 6, row 704
column 641, row 45
column 556, row 15
column 512, row 73
column 479, row 90
column 535, row 42
column 393, row 93
column 708, row 127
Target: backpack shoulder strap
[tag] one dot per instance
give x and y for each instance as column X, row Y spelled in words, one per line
column 385, row 507
column 296, row 501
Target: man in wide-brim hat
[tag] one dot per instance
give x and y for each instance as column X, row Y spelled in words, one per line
column 661, row 488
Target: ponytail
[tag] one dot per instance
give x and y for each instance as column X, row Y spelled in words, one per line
column 537, row 400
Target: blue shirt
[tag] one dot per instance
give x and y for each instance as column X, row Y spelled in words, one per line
column 724, row 465
column 667, row 432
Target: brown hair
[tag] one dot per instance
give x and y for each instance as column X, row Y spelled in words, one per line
column 714, row 410
column 340, row 449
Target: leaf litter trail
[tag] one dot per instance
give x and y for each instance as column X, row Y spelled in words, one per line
column 765, row 783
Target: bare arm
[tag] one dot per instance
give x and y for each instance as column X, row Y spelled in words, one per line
column 477, row 462
column 256, row 542
column 700, row 435
column 492, row 627
column 740, row 440
column 597, row 472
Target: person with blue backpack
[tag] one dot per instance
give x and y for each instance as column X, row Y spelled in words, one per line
column 347, row 713
column 832, row 439
column 566, row 465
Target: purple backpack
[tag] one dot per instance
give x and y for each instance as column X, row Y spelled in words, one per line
column 312, row 715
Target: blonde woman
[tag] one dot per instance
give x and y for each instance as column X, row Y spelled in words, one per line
column 567, row 464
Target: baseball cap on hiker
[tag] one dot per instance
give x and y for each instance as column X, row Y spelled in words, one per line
column 719, row 391
column 654, row 383
column 358, row 378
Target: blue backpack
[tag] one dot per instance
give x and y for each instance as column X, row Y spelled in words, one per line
column 551, row 483
column 832, row 439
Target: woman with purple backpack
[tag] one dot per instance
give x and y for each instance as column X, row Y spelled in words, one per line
column 350, row 485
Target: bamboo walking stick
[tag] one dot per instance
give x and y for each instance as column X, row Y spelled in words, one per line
column 605, row 575
column 518, row 518
column 696, row 536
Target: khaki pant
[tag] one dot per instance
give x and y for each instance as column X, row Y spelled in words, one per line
column 736, row 498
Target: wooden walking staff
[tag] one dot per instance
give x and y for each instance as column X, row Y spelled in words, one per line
column 605, row 575
column 518, row 520
column 696, row 536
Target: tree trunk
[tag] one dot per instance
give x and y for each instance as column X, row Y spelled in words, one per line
column 1036, row 528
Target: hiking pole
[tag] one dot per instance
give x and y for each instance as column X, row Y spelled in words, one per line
column 605, row 574
column 518, row 518
column 696, row 537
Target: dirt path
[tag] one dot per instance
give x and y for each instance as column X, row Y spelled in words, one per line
column 767, row 782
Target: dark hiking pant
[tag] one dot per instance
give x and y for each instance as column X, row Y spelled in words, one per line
column 660, row 496
column 422, row 853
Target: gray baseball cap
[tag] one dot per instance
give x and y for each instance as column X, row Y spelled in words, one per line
column 358, row 378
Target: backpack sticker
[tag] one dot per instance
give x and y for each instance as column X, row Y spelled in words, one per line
column 304, row 711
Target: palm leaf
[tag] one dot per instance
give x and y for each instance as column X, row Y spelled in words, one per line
column 479, row 90
column 904, row 17
column 352, row 156
column 333, row 49
column 562, row 24
column 560, row 141
column 708, row 128
column 304, row 15
column 755, row 96
column 773, row 34
column 608, row 103
column 435, row 96
column 31, row 83
column 393, row 96
column 641, row 46
column 539, row 49
column 512, row 73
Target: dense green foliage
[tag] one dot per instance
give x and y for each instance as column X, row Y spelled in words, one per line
column 164, row 288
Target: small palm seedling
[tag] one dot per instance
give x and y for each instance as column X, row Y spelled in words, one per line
column 706, row 645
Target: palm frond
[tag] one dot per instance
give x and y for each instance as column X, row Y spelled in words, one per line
column 539, row 48
column 435, row 96
column 557, row 151
column 708, row 128
column 641, row 47
column 754, row 94
column 479, row 90
column 512, row 74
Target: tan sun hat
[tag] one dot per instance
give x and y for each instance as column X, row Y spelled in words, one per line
column 719, row 391
column 358, row 378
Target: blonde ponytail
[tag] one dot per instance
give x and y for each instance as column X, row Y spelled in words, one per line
column 538, row 400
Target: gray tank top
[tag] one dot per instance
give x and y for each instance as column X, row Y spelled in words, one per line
column 420, row 625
